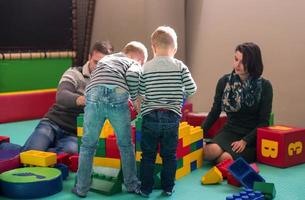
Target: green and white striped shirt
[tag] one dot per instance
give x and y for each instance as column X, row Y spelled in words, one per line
column 117, row 70
column 164, row 83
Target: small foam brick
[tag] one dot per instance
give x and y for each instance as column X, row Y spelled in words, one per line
column 9, row 159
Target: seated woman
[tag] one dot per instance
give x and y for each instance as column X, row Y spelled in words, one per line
column 246, row 98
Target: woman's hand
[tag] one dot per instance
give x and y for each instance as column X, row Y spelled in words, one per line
column 239, row 146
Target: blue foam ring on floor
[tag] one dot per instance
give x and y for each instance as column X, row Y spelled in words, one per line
column 64, row 170
column 31, row 190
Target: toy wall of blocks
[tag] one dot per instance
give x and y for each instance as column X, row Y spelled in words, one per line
column 189, row 150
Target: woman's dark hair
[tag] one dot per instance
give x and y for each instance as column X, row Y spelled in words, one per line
column 105, row 47
column 252, row 58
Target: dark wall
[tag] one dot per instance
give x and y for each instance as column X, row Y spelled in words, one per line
column 33, row 25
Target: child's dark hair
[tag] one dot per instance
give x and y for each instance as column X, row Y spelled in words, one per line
column 252, row 58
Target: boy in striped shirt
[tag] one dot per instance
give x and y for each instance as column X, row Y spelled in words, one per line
column 115, row 79
column 164, row 83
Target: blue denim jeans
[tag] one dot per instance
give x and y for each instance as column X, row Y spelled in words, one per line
column 105, row 103
column 47, row 136
column 159, row 127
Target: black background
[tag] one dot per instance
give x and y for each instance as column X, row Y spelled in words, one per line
column 35, row 25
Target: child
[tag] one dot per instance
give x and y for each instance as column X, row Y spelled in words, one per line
column 115, row 78
column 163, row 84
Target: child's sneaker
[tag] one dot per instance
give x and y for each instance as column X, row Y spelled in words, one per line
column 74, row 190
column 142, row 193
column 167, row 193
column 136, row 189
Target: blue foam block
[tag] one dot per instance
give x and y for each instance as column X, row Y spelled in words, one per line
column 244, row 173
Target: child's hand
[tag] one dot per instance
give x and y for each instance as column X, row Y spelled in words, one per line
column 81, row 101
column 137, row 105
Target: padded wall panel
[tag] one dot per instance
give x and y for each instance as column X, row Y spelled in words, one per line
column 25, row 105
column 31, row 74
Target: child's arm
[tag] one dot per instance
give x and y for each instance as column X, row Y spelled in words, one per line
column 132, row 79
column 188, row 81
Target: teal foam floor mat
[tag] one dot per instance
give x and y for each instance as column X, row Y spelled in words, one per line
column 289, row 182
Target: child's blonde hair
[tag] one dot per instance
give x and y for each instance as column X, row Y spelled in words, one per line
column 164, row 37
column 136, row 47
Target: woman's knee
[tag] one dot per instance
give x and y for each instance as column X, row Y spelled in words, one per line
column 212, row 151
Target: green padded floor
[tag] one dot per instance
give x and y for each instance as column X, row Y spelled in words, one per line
column 289, row 182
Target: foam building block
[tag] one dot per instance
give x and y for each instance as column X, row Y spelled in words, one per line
column 223, row 167
column 9, row 159
column 244, row 173
column 213, row 176
column 189, row 157
column 64, row 158
column 196, row 119
column 73, row 163
column 271, row 119
column 268, row 189
column 248, row 194
column 4, row 138
column 107, row 180
column 281, row 146
column 30, row 182
column 64, row 170
column 255, row 167
column 38, row 158
column 234, row 181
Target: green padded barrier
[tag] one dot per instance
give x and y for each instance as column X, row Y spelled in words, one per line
column 31, row 74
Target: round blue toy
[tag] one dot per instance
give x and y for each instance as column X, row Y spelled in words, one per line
column 30, row 182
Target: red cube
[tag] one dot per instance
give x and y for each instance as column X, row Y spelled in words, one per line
column 281, row 146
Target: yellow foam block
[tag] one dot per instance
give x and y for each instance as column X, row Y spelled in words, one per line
column 183, row 171
column 184, row 130
column 80, row 131
column 213, row 176
column 186, row 168
column 139, row 156
column 38, row 158
column 195, row 155
column 107, row 162
column 105, row 132
column 195, row 135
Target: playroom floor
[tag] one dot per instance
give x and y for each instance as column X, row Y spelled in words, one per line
column 289, row 182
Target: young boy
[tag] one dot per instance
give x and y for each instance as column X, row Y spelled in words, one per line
column 164, row 83
column 114, row 80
